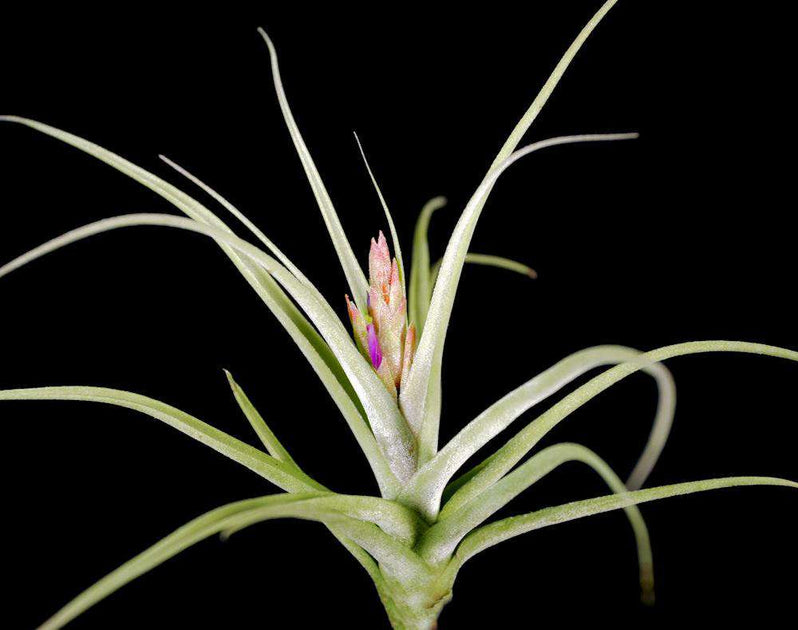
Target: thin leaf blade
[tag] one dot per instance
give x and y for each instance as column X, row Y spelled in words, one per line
column 420, row 398
column 271, row 469
column 310, row 343
column 340, row 512
column 394, row 236
column 517, row 447
column 358, row 284
column 258, row 424
column 440, row 541
column 390, row 429
column 488, row 260
column 505, row 529
column 420, row 286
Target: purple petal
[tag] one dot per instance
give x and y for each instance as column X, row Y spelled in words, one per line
column 375, row 352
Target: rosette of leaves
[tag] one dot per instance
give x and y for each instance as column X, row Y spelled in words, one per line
column 431, row 515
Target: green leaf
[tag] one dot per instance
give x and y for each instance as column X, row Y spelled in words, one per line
column 186, row 204
column 280, row 474
column 267, row 437
column 489, row 261
column 494, row 533
column 391, row 517
column 307, row 339
column 420, row 287
column 420, row 397
column 440, row 541
column 394, row 236
column 354, row 273
column 390, row 429
column 193, row 532
column 516, row 448
column 308, row 506
column 241, row 217
column 546, row 91
column 522, row 127
column 427, row 486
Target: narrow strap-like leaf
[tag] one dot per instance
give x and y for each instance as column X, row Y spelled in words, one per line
column 394, row 236
column 420, row 398
column 420, row 286
column 266, row 435
column 185, row 203
column 280, row 474
column 309, row 506
column 545, row 92
column 390, row 429
column 354, row 273
column 308, row 340
column 391, row 517
column 430, row 481
column 516, row 448
column 489, row 261
column 326, row 366
column 189, row 534
column 440, row 541
column 494, row 533
column 241, row 217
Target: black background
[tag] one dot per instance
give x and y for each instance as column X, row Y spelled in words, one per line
column 683, row 234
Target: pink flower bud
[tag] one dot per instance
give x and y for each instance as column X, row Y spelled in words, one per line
column 375, row 352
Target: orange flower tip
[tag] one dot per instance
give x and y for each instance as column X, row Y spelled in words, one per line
column 352, row 309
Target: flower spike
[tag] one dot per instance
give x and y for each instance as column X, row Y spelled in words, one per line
column 382, row 334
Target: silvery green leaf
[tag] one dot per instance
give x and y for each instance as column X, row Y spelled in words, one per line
column 390, row 429
column 308, row 506
column 265, row 434
column 358, row 284
column 488, row 260
column 420, row 397
column 313, row 347
column 516, row 448
column 280, row 474
column 494, row 533
column 440, row 541
column 420, row 274
column 397, row 249
column 429, row 483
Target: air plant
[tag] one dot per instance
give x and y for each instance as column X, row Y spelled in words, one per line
column 385, row 378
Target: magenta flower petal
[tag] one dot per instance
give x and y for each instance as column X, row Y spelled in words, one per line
column 374, row 347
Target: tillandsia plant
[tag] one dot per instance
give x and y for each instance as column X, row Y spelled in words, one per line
column 384, row 375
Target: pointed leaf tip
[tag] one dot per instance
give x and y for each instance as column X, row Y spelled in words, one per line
column 230, row 378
